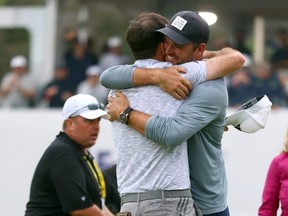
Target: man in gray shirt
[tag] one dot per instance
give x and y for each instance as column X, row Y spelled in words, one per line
column 147, row 166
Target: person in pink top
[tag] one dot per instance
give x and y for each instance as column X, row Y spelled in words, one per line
column 276, row 186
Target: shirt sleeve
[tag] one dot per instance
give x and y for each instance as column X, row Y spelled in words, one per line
column 270, row 196
column 201, row 107
column 196, row 72
column 118, row 77
column 68, row 178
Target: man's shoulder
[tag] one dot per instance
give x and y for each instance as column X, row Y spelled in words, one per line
column 192, row 63
column 63, row 145
column 195, row 72
column 212, row 90
column 151, row 63
column 216, row 82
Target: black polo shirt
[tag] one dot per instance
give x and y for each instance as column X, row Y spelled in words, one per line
column 62, row 181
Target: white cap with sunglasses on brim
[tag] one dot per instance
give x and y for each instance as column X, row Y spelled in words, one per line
column 251, row 116
column 83, row 105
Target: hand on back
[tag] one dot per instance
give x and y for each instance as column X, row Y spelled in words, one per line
column 171, row 81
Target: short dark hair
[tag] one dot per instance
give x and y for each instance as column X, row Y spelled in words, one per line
column 142, row 36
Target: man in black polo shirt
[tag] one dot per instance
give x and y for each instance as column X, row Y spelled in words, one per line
column 67, row 181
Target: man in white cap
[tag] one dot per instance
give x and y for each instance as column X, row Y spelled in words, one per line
column 92, row 86
column 114, row 55
column 67, row 180
column 17, row 87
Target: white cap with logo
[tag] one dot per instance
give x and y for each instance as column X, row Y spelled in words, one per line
column 83, row 105
column 251, row 116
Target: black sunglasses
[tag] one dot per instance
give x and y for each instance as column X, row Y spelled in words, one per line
column 92, row 106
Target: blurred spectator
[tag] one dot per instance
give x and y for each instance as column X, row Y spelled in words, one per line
column 69, row 38
column 17, row 86
column 241, row 42
column 279, row 58
column 92, row 86
column 221, row 42
column 114, row 55
column 253, row 80
column 266, row 81
column 77, row 61
column 283, row 77
column 59, row 89
column 240, row 84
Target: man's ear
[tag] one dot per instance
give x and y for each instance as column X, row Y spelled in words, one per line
column 199, row 51
column 70, row 124
column 160, row 53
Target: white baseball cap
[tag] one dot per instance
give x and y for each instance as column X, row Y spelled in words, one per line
column 93, row 70
column 114, row 42
column 251, row 116
column 84, row 105
column 18, row 61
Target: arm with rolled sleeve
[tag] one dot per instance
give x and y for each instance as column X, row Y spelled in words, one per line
column 128, row 76
column 201, row 107
column 168, row 79
column 118, row 77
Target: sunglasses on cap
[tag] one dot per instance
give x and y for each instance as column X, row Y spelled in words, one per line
column 92, row 106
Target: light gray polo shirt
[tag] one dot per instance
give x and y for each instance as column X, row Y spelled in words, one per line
column 143, row 165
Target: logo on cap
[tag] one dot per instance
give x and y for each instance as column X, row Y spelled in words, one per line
column 251, row 116
column 179, row 23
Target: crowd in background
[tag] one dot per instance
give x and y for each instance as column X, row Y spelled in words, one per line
column 77, row 72
column 257, row 78
column 80, row 69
